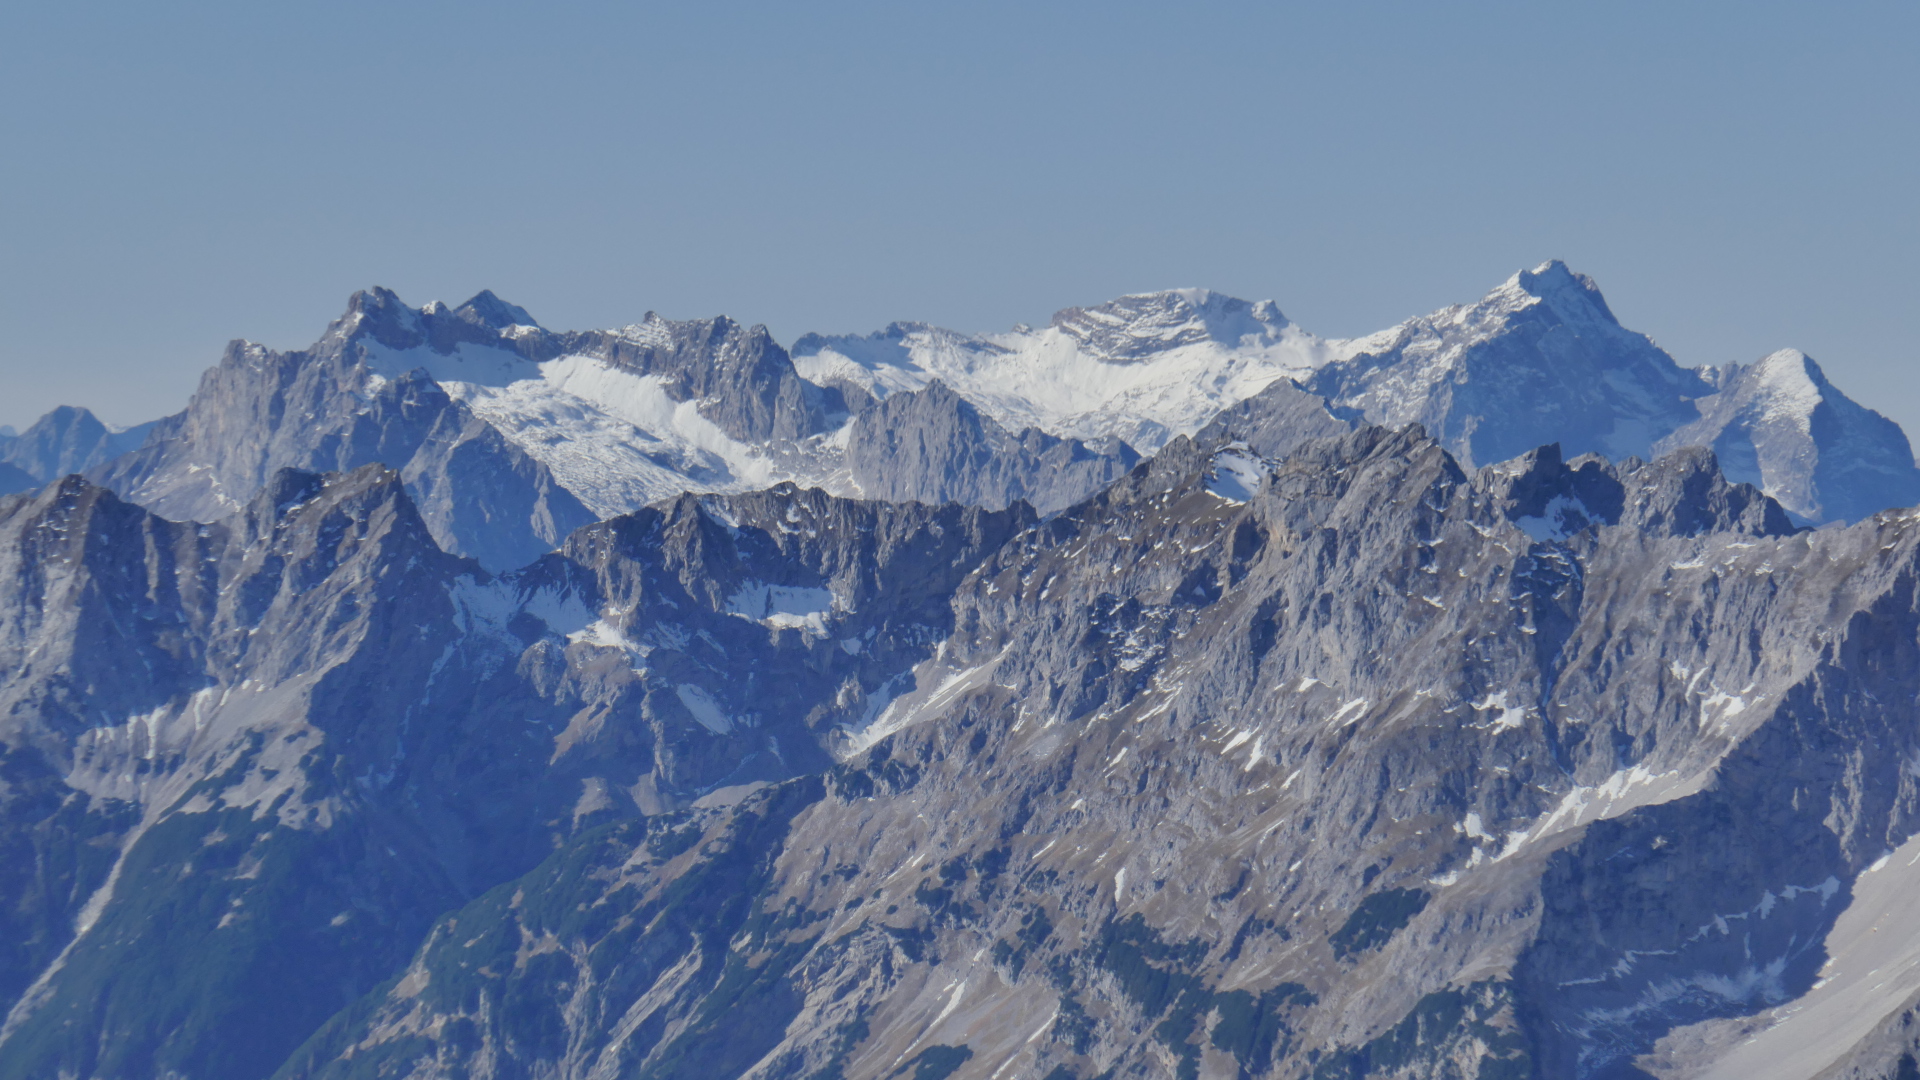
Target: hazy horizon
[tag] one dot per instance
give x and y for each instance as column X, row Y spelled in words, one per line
column 1729, row 175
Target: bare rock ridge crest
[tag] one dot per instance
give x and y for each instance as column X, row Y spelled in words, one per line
column 1162, row 692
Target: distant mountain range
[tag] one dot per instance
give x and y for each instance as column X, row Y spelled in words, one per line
column 1165, row 692
column 511, row 435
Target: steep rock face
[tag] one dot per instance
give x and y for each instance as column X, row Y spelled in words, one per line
column 1540, row 359
column 743, row 379
column 619, row 419
column 67, row 440
column 1300, row 749
column 626, row 417
column 933, row 446
column 1780, row 424
column 248, row 762
column 1275, row 421
column 176, row 792
column 480, row 494
column 1366, row 767
column 583, row 425
column 259, row 411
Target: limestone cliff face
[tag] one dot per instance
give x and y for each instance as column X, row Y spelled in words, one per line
column 932, row 446
column 259, row 411
column 249, row 761
column 1353, row 763
column 459, row 698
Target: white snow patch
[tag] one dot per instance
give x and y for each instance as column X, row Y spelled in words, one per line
column 1623, row 791
column 1348, row 713
column 704, row 709
column 1788, row 390
column 1235, row 475
column 1044, row 379
column 928, row 698
column 1722, row 706
column 784, row 607
column 1473, row 827
column 1510, row 716
column 605, row 635
column 616, row 439
column 1563, row 516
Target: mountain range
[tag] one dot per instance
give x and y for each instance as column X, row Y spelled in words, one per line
column 1163, row 692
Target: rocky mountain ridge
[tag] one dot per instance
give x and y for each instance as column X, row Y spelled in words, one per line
column 355, row 731
column 341, row 737
column 64, row 441
column 561, row 428
column 1204, row 791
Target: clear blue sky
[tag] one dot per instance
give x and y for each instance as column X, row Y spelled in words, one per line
column 1739, row 177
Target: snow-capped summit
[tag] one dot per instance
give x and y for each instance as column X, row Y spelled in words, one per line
column 1542, row 359
column 1539, row 359
column 1142, row 325
column 595, row 423
column 1141, row 368
column 1573, row 297
column 1779, row 424
column 599, row 423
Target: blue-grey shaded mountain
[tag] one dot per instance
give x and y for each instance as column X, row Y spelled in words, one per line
column 247, row 768
column 68, row 440
column 14, row 479
column 1379, row 768
column 551, row 430
column 1542, row 359
column 460, row 698
column 1780, row 423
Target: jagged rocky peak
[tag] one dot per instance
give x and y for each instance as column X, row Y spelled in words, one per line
column 381, row 313
column 494, row 313
column 1274, row 421
column 1788, row 379
column 1781, row 424
column 1550, row 498
column 1539, row 359
column 658, row 338
column 1572, row 296
column 1683, row 493
column 337, row 510
column 1542, row 359
column 1142, row 325
column 932, row 445
column 1551, row 294
column 378, row 314
column 66, row 440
